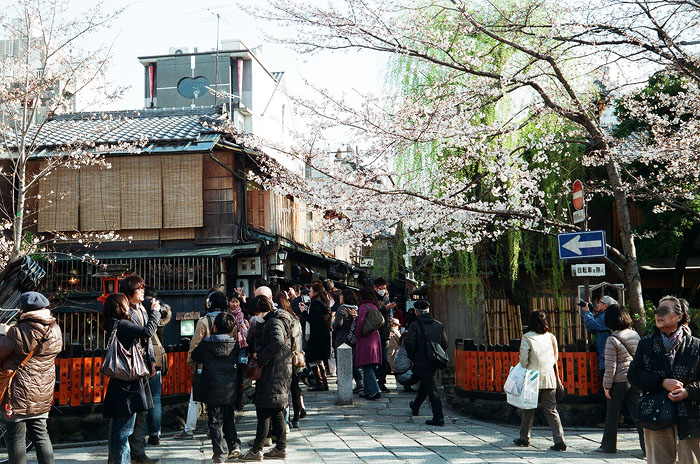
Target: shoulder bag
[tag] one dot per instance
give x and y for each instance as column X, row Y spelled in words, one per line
column 433, row 351
column 656, row 411
column 560, row 386
column 373, row 321
column 7, row 376
column 122, row 364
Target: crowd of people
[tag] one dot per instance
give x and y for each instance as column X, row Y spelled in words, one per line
column 279, row 340
column 656, row 378
column 284, row 339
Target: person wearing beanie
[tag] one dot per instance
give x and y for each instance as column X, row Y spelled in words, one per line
column 215, row 303
column 28, row 403
column 425, row 329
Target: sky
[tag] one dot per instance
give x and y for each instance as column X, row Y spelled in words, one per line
column 151, row 27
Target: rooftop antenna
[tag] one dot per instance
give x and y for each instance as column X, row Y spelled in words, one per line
column 216, row 67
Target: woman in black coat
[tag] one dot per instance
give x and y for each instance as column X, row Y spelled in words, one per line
column 318, row 349
column 668, row 362
column 273, row 388
column 126, row 398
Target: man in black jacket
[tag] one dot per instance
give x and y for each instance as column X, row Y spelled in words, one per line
column 219, row 353
column 425, row 329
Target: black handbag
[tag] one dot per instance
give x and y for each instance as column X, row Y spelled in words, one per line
column 433, row 351
column 120, row 363
column 656, row 411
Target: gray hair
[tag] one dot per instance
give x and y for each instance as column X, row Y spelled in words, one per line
column 677, row 306
column 608, row 300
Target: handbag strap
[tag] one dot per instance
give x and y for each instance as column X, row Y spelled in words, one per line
column 629, row 352
column 556, row 357
column 34, row 350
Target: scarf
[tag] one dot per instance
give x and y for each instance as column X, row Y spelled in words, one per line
column 242, row 331
column 672, row 341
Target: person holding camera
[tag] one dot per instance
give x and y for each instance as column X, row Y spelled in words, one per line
column 594, row 319
column 134, row 288
column 125, row 400
column 155, row 415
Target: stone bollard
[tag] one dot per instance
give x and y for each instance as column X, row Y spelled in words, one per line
column 344, row 364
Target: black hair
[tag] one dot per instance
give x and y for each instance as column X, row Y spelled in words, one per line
column 617, row 318
column 538, row 322
column 367, row 295
column 224, row 323
column 379, row 281
column 260, row 304
column 350, row 297
column 130, row 284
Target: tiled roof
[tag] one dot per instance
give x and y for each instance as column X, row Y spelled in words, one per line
column 154, row 125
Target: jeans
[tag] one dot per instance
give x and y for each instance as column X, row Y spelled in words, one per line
column 223, row 429
column 17, row 441
column 122, row 428
column 428, row 390
column 192, row 414
column 369, row 380
column 270, row 417
column 155, row 415
column 137, row 439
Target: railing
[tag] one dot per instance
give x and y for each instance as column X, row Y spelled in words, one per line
column 485, row 369
column 80, row 381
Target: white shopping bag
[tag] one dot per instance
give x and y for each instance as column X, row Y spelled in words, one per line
column 527, row 399
column 516, row 380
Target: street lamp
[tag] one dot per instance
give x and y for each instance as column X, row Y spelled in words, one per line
column 281, row 256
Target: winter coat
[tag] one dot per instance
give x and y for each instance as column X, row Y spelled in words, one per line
column 650, row 367
column 31, row 390
column 275, row 357
column 218, row 355
column 394, row 342
column 368, row 350
column 202, row 330
column 385, row 330
column 540, row 352
column 124, row 398
column 619, row 350
column 415, row 343
column 318, row 347
column 595, row 324
column 341, row 324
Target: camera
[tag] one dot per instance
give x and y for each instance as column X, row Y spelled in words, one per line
column 165, row 310
column 306, row 299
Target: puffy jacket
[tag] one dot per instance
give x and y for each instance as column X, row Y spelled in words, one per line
column 218, row 354
column 650, row 367
column 31, row 390
column 415, row 344
column 619, row 350
column 275, row 357
column 341, row 324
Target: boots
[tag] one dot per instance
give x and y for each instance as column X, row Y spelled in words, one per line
column 321, row 380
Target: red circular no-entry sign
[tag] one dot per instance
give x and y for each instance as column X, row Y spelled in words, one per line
column 577, row 193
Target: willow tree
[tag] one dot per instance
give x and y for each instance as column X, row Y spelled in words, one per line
column 490, row 186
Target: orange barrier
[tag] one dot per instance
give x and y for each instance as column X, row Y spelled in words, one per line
column 487, row 371
column 80, row 381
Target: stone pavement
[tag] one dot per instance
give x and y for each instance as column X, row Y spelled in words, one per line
column 384, row 431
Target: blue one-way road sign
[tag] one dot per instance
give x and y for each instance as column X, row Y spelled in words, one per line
column 582, row 245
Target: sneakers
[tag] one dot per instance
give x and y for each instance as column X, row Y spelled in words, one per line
column 376, row 396
column 357, row 389
column 183, row 436
column 558, row 446
column 267, row 442
column 252, row 456
column 276, row 453
column 154, row 440
column 521, row 442
column 383, row 388
column 436, row 422
column 234, row 453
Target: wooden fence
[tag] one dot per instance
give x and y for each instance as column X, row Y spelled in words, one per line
column 504, row 321
column 485, row 369
column 79, row 381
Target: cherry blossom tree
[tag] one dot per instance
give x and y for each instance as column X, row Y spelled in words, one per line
column 44, row 68
column 536, row 65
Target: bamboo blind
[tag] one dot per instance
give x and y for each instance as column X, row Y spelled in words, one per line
column 564, row 320
column 503, row 321
column 177, row 234
column 140, row 234
column 100, row 198
column 182, row 191
column 59, row 202
column 141, row 192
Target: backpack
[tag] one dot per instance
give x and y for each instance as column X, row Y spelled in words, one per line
column 437, row 357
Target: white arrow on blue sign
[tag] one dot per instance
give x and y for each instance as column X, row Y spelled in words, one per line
column 588, row 244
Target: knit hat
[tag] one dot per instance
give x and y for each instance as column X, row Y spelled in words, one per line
column 31, row 301
column 421, row 307
column 217, row 300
